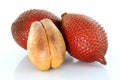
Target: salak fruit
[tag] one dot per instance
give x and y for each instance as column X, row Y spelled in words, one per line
column 21, row 26
column 85, row 38
column 46, row 47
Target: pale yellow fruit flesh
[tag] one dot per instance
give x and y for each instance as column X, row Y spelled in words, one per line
column 56, row 43
column 46, row 47
column 37, row 46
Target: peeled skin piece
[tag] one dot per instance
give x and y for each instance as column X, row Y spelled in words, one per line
column 46, row 47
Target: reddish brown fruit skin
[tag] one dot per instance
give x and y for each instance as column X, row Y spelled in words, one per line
column 21, row 26
column 85, row 38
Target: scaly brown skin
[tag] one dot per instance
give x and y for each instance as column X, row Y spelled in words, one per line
column 46, row 47
column 21, row 26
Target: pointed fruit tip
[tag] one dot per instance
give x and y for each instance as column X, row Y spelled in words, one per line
column 63, row 14
column 102, row 61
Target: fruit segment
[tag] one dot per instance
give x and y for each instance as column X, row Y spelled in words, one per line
column 85, row 38
column 56, row 43
column 37, row 46
column 46, row 47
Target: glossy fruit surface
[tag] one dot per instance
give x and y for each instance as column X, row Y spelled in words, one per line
column 21, row 26
column 85, row 38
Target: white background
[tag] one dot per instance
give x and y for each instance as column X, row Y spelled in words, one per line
column 14, row 63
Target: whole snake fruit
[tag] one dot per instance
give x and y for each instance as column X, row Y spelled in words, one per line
column 85, row 38
column 21, row 26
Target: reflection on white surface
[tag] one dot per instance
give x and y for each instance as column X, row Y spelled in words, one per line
column 70, row 70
